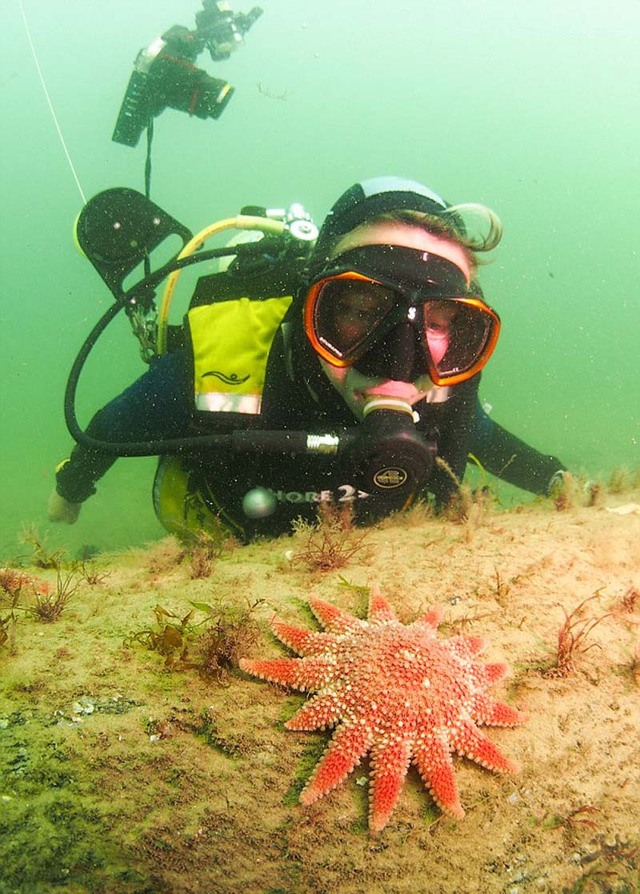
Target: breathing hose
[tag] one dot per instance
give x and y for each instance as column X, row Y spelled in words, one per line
column 246, row 441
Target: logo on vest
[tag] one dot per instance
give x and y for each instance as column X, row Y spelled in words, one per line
column 233, row 379
column 387, row 479
column 345, row 493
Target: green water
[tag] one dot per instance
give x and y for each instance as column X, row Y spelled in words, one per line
column 529, row 107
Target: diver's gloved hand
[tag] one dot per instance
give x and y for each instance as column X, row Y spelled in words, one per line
column 558, row 480
column 565, row 489
column 61, row 510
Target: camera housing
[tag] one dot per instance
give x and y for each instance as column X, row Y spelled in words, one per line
column 165, row 74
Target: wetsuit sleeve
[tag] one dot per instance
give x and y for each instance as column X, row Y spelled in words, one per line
column 156, row 406
column 455, row 425
column 509, row 458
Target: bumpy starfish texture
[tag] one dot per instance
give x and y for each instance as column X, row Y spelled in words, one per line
column 396, row 692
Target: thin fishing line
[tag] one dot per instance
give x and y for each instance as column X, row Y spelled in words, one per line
column 51, row 108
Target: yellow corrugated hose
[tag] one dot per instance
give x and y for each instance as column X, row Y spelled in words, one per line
column 240, row 222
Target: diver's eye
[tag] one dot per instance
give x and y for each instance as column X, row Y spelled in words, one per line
column 438, row 316
column 438, row 328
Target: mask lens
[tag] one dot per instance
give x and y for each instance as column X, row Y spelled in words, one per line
column 459, row 335
column 349, row 314
column 346, row 312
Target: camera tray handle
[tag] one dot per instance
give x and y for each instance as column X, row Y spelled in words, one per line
column 118, row 229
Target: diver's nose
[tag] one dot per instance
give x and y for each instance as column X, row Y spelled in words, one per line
column 400, row 356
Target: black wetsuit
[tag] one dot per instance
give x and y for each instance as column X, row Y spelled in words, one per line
column 297, row 396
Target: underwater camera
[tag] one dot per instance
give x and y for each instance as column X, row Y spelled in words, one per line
column 165, row 74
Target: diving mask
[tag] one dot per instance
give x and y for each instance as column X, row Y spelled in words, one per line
column 367, row 292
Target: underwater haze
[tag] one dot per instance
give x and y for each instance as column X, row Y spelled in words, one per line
column 529, row 107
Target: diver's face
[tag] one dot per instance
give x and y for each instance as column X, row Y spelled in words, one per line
column 357, row 389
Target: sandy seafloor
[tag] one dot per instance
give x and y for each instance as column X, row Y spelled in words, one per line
column 121, row 775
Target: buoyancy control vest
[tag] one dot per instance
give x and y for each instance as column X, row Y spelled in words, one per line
column 230, row 343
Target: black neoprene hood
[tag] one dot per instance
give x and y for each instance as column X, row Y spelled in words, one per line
column 365, row 200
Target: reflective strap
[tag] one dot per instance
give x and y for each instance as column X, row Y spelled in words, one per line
column 219, row 402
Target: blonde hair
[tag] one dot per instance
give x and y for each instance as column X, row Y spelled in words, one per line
column 456, row 223
column 479, row 242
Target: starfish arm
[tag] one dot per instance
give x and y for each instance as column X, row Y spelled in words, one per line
column 433, row 759
column 470, row 742
column 467, row 647
column 301, row 640
column 306, row 674
column 389, row 763
column 433, row 617
column 493, row 713
column 333, row 618
column 349, row 744
column 494, row 672
column 320, row 712
column 379, row 608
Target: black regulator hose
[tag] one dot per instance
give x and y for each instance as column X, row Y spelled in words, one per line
column 285, row 442
column 386, row 452
column 387, row 456
column 252, row 441
column 245, row 441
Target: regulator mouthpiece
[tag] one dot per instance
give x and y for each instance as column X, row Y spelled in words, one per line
column 389, row 459
column 382, row 402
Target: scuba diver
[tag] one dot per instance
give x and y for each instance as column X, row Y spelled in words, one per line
column 348, row 376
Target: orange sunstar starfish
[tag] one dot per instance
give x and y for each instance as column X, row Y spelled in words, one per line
column 394, row 691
